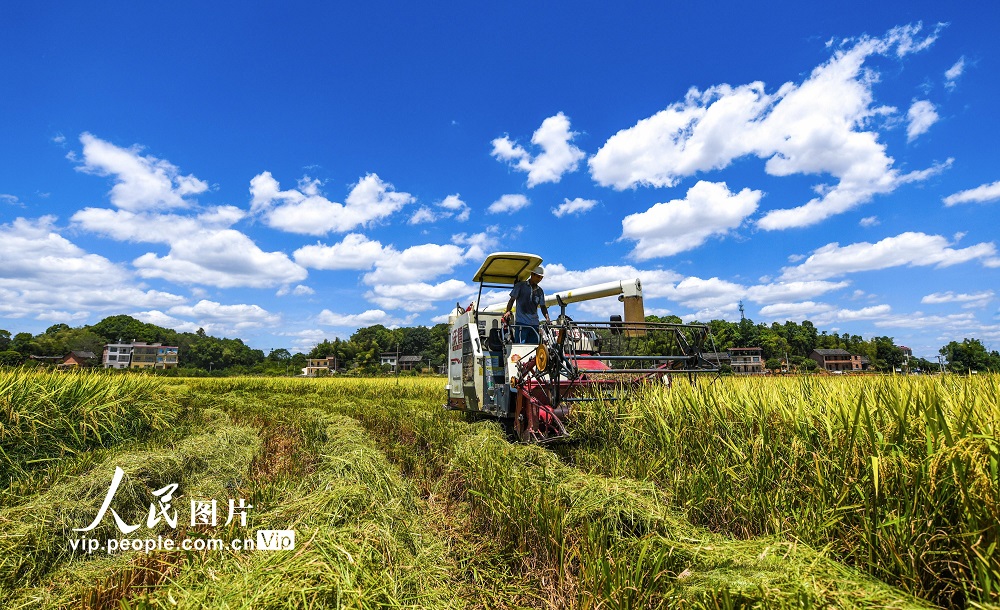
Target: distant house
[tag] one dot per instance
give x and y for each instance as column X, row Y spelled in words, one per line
column 320, row 367
column 139, row 355
column 76, row 359
column 836, row 360
column 408, row 363
column 717, row 358
column 747, row 360
column 72, row 360
column 405, row 363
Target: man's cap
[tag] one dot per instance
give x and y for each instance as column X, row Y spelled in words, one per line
column 539, row 270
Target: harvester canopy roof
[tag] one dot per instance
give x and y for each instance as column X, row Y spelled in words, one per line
column 506, row 267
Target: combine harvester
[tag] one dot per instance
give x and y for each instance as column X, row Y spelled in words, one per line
column 531, row 388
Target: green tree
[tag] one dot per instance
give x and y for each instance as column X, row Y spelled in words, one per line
column 24, row 343
column 10, row 358
column 970, row 355
column 4, row 340
column 279, row 355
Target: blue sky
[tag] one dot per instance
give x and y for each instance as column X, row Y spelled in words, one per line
column 289, row 172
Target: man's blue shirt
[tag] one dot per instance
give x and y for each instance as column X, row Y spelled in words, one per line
column 528, row 300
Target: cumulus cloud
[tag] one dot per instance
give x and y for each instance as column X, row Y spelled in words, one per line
column 655, row 282
column 142, row 182
column 354, row 320
column 355, row 251
column 418, row 296
column 816, row 127
column 147, row 227
column 805, row 310
column 306, row 211
column 422, row 215
column 415, row 264
column 477, row 244
column 225, row 259
column 822, row 313
column 300, row 290
column 37, row 259
column 777, row 292
column 159, row 318
column 919, row 118
column 952, row 74
column 237, row 317
column 558, row 155
column 710, row 208
column 907, row 249
column 451, row 206
column 968, row 300
column 576, row 206
column 981, row 194
column 869, row 221
column 508, row 204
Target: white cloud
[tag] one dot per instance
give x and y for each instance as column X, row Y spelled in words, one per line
column 146, row 227
column 225, row 259
column 299, row 291
column 805, row 310
column 10, row 200
column 508, row 204
column 917, row 320
column 558, row 156
column 975, row 299
column 981, row 194
column 869, row 221
column 822, row 313
column 713, row 293
column 422, row 215
column 304, row 340
column 920, row 117
column 477, row 244
column 418, row 296
column 453, row 205
column 141, row 182
column 816, row 127
column 44, row 273
column 306, row 211
column 655, row 282
column 355, row 251
column 952, row 74
column 159, row 318
column 232, row 317
column 366, row 318
column 710, row 208
column 415, row 264
column 911, row 249
column 576, row 206
column 791, row 291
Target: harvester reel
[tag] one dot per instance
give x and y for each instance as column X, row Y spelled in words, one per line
column 535, row 422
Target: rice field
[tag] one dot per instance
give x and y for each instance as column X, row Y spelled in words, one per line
column 743, row 492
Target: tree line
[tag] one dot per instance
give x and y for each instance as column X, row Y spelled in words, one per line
column 200, row 353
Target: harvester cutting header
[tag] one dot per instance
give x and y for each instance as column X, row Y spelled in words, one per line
column 529, row 379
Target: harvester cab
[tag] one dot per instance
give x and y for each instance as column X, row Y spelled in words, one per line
column 532, row 387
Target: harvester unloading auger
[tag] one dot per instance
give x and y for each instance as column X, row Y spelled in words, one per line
column 532, row 387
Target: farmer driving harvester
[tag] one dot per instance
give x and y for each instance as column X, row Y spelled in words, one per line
column 530, row 377
column 529, row 296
